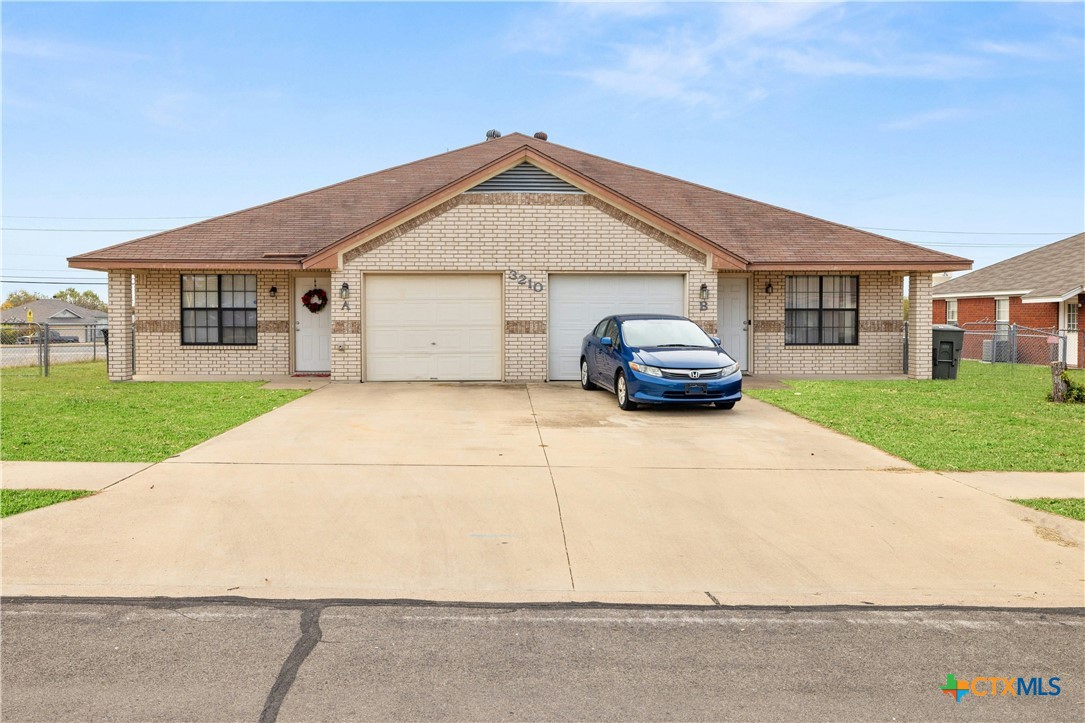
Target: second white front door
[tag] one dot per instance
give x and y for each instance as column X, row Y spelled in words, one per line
column 733, row 319
column 312, row 330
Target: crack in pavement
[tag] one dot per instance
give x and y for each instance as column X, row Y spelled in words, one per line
column 554, row 485
column 310, row 636
column 171, row 603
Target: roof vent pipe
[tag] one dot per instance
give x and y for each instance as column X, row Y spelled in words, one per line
column 493, row 134
column 541, row 136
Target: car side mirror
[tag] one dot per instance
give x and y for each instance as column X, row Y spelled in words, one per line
column 606, row 341
column 715, row 340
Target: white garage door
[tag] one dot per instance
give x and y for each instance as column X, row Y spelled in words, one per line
column 578, row 302
column 442, row 327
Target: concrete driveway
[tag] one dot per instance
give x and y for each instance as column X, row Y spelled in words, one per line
column 542, row 493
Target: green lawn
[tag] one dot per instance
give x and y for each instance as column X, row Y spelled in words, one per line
column 12, row 502
column 1073, row 507
column 992, row 417
column 76, row 415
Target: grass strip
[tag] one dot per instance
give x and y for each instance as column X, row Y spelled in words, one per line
column 12, row 502
column 77, row 415
column 1072, row 507
column 992, row 417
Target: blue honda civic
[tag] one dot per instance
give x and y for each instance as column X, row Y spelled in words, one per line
column 658, row 359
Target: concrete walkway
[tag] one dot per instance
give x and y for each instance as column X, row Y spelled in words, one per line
column 543, row 493
column 1024, row 485
column 66, row 475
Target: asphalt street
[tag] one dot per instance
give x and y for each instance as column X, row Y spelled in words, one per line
column 244, row 660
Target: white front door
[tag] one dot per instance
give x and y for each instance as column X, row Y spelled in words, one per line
column 442, row 327
column 579, row 301
column 312, row 332
column 733, row 317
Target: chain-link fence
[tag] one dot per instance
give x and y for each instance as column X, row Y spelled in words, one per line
column 1001, row 343
column 32, row 348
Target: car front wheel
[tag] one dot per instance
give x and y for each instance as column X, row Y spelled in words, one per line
column 725, row 405
column 622, row 390
column 585, row 381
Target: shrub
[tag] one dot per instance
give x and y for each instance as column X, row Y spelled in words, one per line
column 1075, row 392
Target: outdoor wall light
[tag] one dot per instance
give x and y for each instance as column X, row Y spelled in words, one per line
column 768, row 288
column 273, row 291
column 704, row 292
column 344, row 291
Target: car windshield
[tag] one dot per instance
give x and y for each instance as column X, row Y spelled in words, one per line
column 664, row 332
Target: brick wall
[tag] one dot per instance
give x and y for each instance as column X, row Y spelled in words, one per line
column 881, row 326
column 159, row 351
column 1035, row 316
column 920, row 334
column 535, row 234
column 120, row 325
column 975, row 310
column 938, row 311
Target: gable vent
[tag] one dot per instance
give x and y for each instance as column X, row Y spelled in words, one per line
column 525, row 178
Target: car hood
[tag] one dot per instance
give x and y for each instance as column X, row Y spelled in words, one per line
column 683, row 357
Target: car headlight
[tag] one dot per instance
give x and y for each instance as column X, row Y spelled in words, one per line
column 728, row 371
column 645, row 369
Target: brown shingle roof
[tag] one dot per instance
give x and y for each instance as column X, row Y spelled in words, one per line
column 1051, row 271
column 284, row 232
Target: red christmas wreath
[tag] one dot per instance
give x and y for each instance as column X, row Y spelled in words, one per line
column 315, row 300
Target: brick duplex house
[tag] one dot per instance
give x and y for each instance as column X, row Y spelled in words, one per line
column 491, row 262
column 1040, row 289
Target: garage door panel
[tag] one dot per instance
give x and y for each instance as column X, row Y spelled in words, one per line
column 407, row 367
column 400, row 313
column 445, row 327
column 473, row 312
column 579, row 301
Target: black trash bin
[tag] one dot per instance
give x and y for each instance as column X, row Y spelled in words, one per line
column 948, row 342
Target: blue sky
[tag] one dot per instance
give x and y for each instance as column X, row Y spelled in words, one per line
column 929, row 116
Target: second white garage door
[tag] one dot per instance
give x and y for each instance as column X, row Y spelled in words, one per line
column 433, row 328
column 579, row 301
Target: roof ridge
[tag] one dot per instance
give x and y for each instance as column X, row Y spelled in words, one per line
column 754, row 201
column 435, row 191
column 616, row 192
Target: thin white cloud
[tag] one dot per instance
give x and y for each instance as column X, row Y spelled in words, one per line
column 615, row 9
column 667, row 72
column 928, row 118
column 569, row 24
column 1032, row 51
column 922, row 65
column 768, row 19
column 737, row 52
column 59, row 50
column 177, row 110
column 189, row 110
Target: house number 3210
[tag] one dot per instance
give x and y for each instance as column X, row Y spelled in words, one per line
column 527, row 281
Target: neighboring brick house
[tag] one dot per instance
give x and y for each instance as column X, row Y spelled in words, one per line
column 1041, row 289
column 67, row 319
column 491, row 262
